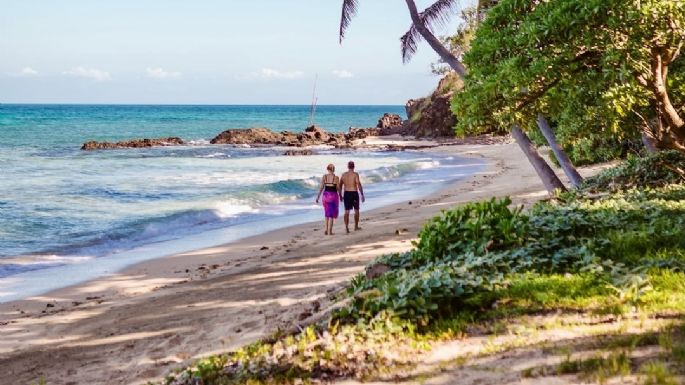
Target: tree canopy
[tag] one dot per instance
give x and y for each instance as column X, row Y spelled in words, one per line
column 609, row 68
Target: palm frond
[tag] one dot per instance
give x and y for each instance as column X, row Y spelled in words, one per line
column 349, row 10
column 410, row 42
column 439, row 13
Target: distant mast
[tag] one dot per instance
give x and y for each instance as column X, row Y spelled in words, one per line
column 312, row 112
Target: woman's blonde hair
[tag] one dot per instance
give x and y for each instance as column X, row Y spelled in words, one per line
column 330, row 167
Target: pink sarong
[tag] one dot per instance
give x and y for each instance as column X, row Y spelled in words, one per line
column 331, row 204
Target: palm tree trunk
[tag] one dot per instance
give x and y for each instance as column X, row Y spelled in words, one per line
column 564, row 161
column 544, row 171
column 437, row 46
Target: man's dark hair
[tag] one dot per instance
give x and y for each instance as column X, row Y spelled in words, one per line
column 350, row 165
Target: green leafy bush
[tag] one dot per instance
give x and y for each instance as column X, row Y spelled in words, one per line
column 475, row 227
column 658, row 170
column 477, row 248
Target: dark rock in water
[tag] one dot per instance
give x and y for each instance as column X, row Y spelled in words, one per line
column 312, row 136
column 298, row 152
column 258, row 135
column 389, row 120
column 136, row 143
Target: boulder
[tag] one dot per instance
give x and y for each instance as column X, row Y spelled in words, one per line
column 311, row 136
column 258, row 135
column 361, row 133
column 135, row 143
column 389, row 120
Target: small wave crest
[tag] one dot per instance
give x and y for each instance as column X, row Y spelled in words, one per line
column 24, row 263
column 198, row 142
column 214, row 155
column 391, row 172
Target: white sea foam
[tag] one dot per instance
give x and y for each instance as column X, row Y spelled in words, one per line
column 214, row 155
column 47, row 259
column 198, row 142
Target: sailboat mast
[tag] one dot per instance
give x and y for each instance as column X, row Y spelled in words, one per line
column 313, row 108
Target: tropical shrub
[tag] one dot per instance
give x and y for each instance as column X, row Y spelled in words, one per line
column 660, row 169
column 479, row 247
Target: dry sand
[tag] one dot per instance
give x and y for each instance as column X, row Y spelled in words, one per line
column 138, row 324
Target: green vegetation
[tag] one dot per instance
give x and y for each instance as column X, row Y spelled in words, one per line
column 661, row 169
column 598, row 368
column 602, row 71
column 487, row 262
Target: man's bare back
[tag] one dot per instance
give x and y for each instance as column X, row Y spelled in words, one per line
column 350, row 181
column 350, row 189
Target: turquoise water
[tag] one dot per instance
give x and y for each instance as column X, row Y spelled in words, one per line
column 63, row 209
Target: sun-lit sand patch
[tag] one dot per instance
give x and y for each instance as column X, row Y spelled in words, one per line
column 127, row 284
column 124, row 338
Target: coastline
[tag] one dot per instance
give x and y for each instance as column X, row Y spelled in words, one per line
column 386, row 185
column 156, row 314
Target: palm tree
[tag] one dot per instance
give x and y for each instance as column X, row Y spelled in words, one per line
column 421, row 28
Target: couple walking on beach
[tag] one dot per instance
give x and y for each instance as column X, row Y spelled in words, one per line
column 347, row 188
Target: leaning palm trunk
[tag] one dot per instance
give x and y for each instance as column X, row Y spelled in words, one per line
column 547, row 175
column 564, row 161
column 439, row 12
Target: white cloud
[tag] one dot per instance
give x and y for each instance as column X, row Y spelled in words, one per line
column 28, row 71
column 343, row 74
column 270, row 73
column 89, row 73
column 160, row 73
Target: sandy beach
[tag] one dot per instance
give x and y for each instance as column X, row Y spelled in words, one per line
column 139, row 324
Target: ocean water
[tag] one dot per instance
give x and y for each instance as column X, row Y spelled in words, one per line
column 68, row 215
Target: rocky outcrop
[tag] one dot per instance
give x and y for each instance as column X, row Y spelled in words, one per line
column 432, row 116
column 388, row 121
column 136, row 143
column 312, row 136
column 298, row 152
column 361, row 133
column 258, row 135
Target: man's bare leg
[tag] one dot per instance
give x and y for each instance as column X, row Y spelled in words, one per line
column 356, row 220
column 347, row 220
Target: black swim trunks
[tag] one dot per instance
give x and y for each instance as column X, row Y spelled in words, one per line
column 351, row 199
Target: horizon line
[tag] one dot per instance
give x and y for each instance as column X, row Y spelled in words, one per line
column 185, row 104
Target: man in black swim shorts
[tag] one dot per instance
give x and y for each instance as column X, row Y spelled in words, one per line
column 350, row 189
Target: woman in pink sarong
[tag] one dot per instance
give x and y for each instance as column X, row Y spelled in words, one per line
column 331, row 203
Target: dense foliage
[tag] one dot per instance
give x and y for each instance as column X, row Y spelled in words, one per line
column 586, row 64
column 661, row 169
column 478, row 247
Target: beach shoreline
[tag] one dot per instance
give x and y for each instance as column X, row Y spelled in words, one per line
column 384, row 186
column 161, row 313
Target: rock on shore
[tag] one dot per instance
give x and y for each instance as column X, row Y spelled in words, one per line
column 432, row 116
column 136, row 143
column 312, row 136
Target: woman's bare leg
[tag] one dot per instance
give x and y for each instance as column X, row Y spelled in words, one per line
column 326, row 227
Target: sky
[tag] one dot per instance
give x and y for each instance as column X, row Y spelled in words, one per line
column 208, row 52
